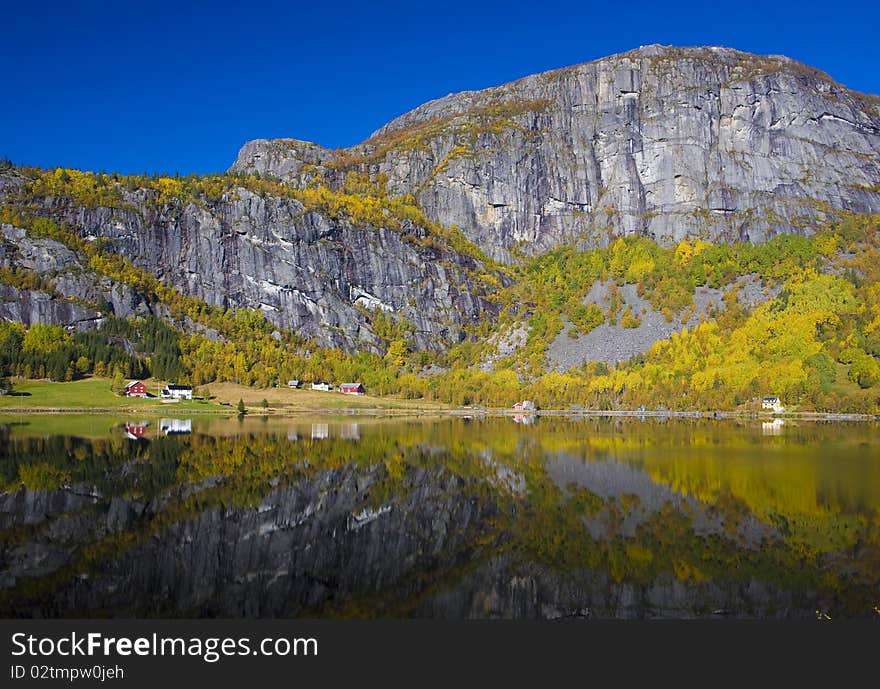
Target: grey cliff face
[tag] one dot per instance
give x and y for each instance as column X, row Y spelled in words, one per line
column 32, row 306
column 664, row 142
column 74, row 282
column 320, row 277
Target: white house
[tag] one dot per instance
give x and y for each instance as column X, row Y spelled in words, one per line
column 322, row 386
column 178, row 392
column 772, row 404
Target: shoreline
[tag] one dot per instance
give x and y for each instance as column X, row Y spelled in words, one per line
column 461, row 412
column 93, row 396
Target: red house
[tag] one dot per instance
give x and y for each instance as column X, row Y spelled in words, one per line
column 351, row 389
column 135, row 389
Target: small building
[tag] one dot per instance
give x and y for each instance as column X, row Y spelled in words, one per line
column 322, row 386
column 525, row 405
column 351, row 389
column 293, row 383
column 178, row 392
column 772, row 404
column 135, row 389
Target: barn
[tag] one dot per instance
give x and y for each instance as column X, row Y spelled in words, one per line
column 135, row 389
column 351, row 389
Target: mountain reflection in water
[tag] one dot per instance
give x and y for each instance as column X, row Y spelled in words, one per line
column 438, row 518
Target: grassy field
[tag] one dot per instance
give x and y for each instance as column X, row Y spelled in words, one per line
column 90, row 393
column 289, row 399
column 95, row 393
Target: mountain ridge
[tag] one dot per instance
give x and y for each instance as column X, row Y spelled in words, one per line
column 662, row 141
column 651, row 50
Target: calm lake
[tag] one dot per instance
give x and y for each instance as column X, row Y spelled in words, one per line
column 440, row 517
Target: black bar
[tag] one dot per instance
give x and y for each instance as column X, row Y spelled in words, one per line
column 412, row 653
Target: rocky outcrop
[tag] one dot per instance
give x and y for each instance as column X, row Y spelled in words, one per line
column 33, row 306
column 611, row 343
column 284, row 158
column 664, row 142
column 74, row 286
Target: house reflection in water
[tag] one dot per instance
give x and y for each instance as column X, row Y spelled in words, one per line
column 175, row 426
column 350, row 431
column 135, row 431
column 525, row 419
column 320, row 431
column 773, row 427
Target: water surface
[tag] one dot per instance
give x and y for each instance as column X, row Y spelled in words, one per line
column 438, row 518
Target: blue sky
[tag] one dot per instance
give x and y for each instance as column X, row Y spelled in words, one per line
column 179, row 87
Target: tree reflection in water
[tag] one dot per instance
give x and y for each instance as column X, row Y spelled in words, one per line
column 441, row 518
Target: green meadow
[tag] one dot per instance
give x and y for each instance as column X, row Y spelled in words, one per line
column 91, row 393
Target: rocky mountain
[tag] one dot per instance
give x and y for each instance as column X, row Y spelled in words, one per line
column 667, row 143
column 661, row 141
